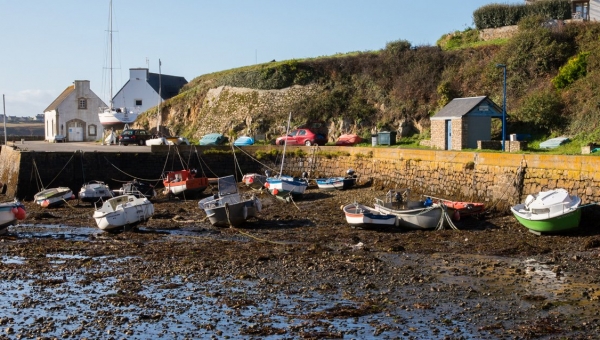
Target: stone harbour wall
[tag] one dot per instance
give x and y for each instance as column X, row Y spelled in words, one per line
column 496, row 178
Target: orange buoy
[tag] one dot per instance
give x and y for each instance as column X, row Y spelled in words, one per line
column 275, row 191
column 45, row 203
column 250, row 180
column 267, row 185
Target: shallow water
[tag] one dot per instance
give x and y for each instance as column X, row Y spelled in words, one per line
column 74, row 300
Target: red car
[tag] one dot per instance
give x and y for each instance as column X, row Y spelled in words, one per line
column 302, row 137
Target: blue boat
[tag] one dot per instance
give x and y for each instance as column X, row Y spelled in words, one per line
column 286, row 187
column 244, row 141
column 212, row 139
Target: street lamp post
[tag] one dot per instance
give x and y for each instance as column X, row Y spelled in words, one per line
column 503, row 66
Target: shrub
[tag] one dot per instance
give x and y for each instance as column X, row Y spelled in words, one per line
column 543, row 110
column 499, row 15
column 574, row 69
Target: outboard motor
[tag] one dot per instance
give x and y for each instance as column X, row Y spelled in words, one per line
column 350, row 172
column 268, row 173
column 304, row 174
column 398, row 197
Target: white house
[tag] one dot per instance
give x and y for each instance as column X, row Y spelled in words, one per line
column 581, row 9
column 74, row 114
column 142, row 88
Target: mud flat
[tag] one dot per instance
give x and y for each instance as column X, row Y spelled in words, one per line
column 297, row 272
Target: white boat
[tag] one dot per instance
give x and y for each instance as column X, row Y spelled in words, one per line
column 138, row 189
column 123, row 211
column 337, row 183
column 94, row 191
column 286, row 187
column 157, row 141
column 411, row 214
column 254, row 180
column 360, row 216
column 228, row 207
column 53, row 197
column 112, row 117
column 549, row 211
column 10, row 213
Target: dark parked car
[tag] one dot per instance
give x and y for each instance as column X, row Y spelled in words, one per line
column 302, row 137
column 134, row 136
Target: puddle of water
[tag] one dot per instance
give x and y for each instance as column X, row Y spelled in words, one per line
column 13, row 260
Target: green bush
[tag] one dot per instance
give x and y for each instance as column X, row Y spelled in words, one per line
column 574, row 69
column 499, row 15
column 542, row 110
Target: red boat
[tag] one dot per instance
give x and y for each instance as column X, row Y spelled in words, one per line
column 183, row 181
column 456, row 209
column 348, row 140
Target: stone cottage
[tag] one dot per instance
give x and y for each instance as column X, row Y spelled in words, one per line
column 463, row 122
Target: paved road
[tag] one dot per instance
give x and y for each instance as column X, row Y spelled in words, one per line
column 74, row 146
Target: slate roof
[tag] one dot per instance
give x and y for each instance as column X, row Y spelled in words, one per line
column 459, row 107
column 170, row 85
column 54, row 105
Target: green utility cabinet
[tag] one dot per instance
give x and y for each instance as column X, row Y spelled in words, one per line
column 386, row 137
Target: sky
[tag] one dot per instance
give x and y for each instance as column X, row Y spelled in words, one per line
column 47, row 45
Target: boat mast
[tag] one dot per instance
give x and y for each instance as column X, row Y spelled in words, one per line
column 110, row 31
column 285, row 143
column 159, row 116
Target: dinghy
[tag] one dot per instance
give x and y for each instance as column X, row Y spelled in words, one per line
column 10, row 213
column 183, row 182
column 254, row 181
column 411, row 214
column 549, row 211
column 360, row 216
column 337, row 183
column 53, row 197
column 228, row 207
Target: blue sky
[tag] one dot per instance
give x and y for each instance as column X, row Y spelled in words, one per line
column 46, row 45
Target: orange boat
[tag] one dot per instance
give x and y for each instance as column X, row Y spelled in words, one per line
column 183, row 181
column 456, row 209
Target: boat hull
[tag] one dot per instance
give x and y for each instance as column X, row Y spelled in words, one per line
column 10, row 213
column 555, row 224
column 54, row 197
column 413, row 218
column 360, row 216
column 182, row 181
column 94, row 192
column 116, row 120
column 221, row 213
column 122, row 211
column 286, row 187
column 335, row 183
column 549, row 211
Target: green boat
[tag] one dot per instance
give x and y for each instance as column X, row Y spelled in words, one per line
column 549, row 211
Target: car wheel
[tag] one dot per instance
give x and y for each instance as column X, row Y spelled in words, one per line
column 307, row 143
column 125, row 144
column 142, row 142
column 281, row 142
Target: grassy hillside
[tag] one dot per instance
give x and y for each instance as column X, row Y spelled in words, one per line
column 552, row 81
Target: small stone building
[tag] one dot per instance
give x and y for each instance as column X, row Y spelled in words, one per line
column 463, row 122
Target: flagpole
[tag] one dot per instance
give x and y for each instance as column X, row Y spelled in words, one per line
column 4, row 108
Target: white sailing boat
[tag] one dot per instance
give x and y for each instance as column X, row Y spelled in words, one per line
column 115, row 118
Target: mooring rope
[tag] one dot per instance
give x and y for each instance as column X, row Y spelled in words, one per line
column 256, row 160
column 141, row 179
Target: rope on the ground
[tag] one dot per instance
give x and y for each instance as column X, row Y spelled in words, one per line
column 258, row 238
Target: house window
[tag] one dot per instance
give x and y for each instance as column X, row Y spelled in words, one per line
column 580, row 10
column 138, row 102
column 82, row 104
column 91, row 130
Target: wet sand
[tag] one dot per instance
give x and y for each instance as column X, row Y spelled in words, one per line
column 296, row 272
